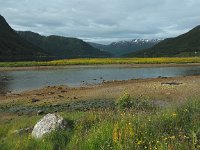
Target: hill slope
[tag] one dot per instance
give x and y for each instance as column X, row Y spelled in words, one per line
column 14, row 48
column 63, row 47
column 118, row 49
column 187, row 44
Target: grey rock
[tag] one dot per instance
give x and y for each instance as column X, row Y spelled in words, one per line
column 47, row 124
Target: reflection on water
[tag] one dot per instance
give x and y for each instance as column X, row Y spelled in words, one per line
column 4, row 82
column 32, row 79
column 3, row 88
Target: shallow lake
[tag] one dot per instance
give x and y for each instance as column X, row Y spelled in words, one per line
column 16, row 81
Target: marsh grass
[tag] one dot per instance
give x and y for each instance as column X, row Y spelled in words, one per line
column 101, row 61
column 170, row 128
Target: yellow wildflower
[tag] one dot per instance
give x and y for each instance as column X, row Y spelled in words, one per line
column 115, row 133
column 139, row 142
column 174, row 114
column 172, row 137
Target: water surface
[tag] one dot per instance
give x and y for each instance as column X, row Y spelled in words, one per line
column 16, row 81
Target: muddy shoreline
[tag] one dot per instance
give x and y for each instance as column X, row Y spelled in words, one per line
column 156, row 88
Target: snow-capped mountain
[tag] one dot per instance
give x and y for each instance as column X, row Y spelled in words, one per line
column 123, row 47
column 136, row 42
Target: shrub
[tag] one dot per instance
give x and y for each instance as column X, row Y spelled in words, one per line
column 124, row 101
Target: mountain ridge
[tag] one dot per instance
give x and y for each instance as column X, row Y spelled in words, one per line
column 14, row 48
column 63, row 47
column 185, row 45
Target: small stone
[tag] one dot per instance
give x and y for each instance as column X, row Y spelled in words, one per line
column 4, row 79
column 60, row 96
column 34, row 100
column 162, row 77
column 51, row 93
column 59, row 88
column 40, row 112
column 63, row 91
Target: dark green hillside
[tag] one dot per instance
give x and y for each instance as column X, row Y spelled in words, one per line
column 187, row 44
column 63, row 47
column 14, row 48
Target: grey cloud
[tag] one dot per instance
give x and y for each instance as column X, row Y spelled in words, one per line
column 103, row 20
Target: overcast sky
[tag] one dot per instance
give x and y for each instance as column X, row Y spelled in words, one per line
column 103, row 21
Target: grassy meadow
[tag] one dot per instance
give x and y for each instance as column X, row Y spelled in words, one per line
column 101, row 61
column 130, row 125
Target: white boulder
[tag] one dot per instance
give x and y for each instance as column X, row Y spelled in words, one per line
column 47, row 124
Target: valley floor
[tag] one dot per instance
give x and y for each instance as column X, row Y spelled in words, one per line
column 157, row 108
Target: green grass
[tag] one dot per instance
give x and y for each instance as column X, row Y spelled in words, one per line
column 101, row 61
column 170, row 128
